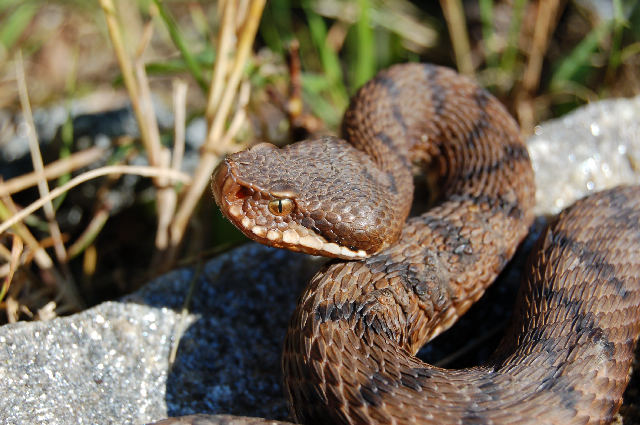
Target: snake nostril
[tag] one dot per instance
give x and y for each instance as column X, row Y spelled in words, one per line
column 242, row 193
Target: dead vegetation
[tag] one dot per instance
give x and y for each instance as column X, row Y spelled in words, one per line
column 226, row 62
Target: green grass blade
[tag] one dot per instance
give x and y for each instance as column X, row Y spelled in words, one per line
column 16, row 23
column 313, row 85
column 66, row 137
column 619, row 25
column 328, row 58
column 629, row 51
column 580, row 56
column 276, row 27
column 488, row 34
column 205, row 59
column 365, row 65
column 511, row 52
column 181, row 45
column 314, row 82
column 6, row 4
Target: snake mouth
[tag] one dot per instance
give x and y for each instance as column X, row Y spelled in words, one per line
column 240, row 203
column 228, row 193
column 222, row 185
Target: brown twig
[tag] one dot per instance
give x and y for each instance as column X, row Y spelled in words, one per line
column 301, row 123
column 98, row 172
column 545, row 22
column 129, row 78
column 49, row 275
column 64, row 281
column 16, row 252
column 52, row 170
column 7, row 210
column 89, row 261
column 237, row 121
column 36, row 159
column 167, row 197
column 140, row 93
column 221, row 65
column 181, row 326
column 235, row 74
column 180, row 112
column 294, row 107
column 211, row 152
column 5, row 253
column 147, row 118
column 454, row 15
column 90, row 232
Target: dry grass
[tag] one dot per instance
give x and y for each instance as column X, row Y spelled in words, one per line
column 338, row 49
column 177, row 194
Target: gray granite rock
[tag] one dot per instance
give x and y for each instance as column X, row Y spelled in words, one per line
column 591, row 149
column 85, row 368
column 110, row 364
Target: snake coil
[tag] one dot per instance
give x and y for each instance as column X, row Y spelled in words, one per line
column 349, row 351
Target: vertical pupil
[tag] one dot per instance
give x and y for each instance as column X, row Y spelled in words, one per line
column 279, row 205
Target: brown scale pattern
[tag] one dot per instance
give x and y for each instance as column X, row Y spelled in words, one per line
column 349, row 351
column 342, row 213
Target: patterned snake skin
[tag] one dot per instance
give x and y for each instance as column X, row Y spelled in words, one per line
column 349, row 351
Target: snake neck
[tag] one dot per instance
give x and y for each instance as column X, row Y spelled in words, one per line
column 362, row 316
column 349, row 352
column 565, row 359
column 446, row 123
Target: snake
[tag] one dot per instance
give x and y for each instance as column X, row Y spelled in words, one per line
column 396, row 281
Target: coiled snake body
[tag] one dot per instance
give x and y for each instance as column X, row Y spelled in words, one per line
column 349, row 351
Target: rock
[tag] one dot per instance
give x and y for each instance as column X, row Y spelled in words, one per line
column 110, row 364
column 591, row 149
column 105, row 365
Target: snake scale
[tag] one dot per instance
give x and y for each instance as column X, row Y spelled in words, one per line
column 349, row 353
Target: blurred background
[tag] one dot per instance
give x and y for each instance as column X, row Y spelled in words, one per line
column 148, row 95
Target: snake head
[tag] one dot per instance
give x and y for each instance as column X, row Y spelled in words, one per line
column 321, row 197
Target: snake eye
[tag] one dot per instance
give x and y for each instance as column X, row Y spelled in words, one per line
column 282, row 206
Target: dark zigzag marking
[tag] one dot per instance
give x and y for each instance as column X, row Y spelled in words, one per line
column 496, row 204
column 590, row 260
column 438, row 92
column 512, row 154
column 394, row 92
